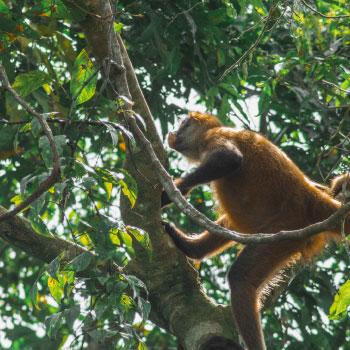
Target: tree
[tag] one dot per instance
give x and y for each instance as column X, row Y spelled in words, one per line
column 95, row 224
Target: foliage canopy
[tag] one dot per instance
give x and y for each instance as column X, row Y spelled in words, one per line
column 293, row 86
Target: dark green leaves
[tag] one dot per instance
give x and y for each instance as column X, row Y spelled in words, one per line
column 3, row 7
column 26, row 83
column 80, row 263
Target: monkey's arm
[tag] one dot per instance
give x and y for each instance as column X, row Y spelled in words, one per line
column 201, row 245
column 216, row 164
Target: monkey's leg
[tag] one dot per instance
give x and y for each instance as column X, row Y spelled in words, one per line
column 254, row 268
column 201, row 245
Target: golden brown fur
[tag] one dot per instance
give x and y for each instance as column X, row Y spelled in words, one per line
column 259, row 189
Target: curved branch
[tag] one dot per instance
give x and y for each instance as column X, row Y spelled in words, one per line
column 205, row 223
column 56, row 171
column 321, row 14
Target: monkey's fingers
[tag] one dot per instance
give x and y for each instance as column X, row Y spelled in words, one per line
column 169, row 228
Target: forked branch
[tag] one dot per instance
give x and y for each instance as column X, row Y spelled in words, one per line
column 55, row 173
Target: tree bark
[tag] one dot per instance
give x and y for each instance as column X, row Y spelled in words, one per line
column 178, row 301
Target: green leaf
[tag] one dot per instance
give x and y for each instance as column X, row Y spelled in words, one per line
column 144, row 307
column 113, row 133
column 44, row 145
column 84, row 78
column 142, row 346
column 34, row 289
column 54, row 267
column 129, row 193
column 338, row 309
column 53, row 323
column 129, row 187
column 126, row 302
column 140, row 235
column 118, row 26
column 66, row 277
column 71, row 315
column 26, row 83
column 126, row 238
column 55, row 289
column 265, row 98
column 4, row 8
column 108, row 188
column 113, row 236
column 135, row 283
column 34, row 294
column 81, row 262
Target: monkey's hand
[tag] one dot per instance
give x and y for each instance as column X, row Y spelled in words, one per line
column 169, row 228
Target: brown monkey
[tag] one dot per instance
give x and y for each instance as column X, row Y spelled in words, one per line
column 259, row 189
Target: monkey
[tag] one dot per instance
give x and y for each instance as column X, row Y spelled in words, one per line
column 258, row 189
column 340, row 187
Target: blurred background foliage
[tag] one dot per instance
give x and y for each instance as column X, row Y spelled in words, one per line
column 292, row 86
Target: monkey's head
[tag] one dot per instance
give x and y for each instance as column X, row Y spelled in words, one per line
column 340, row 187
column 188, row 138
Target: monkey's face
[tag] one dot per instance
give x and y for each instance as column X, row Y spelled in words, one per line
column 179, row 140
column 340, row 187
column 190, row 135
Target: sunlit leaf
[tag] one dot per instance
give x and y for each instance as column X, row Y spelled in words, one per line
column 142, row 346
column 84, row 78
column 113, row 235
column 338, row 309
column 109, row 188
column 118, row 26
column 55, row 289
column 126, row 238
column 140, row 235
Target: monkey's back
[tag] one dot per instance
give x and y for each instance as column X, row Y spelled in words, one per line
column 269, row 192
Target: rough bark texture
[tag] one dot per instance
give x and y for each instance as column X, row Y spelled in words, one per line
column 178, row 301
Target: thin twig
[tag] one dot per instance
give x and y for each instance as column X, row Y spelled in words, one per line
column 65, row 121
column 321, row 14
column 184, row 12
column 254, row 45
column 55, row 173
column 335, row 86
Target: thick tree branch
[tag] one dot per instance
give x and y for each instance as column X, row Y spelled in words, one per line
column 173, row 285
column 174, row 289
column 18, row 232
column 55, row 173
